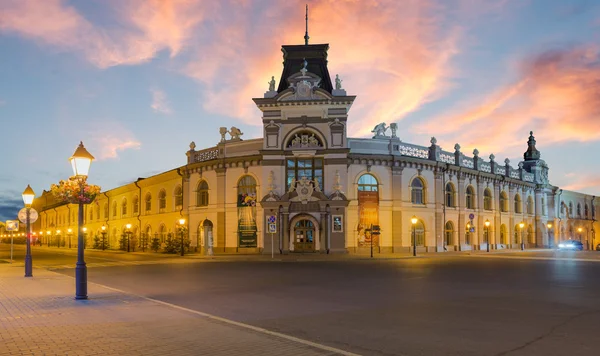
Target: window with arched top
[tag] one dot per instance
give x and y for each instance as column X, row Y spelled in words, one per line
column 503, row 235
column 518, row 204
column 148, row 202
column 544, row 210
column 470, row 198
column 368, row 183
column 530, row 235
column 450, row 193
column 503, row 202
column 91, row 211
column 586, row 211
column 487, row 199
column 368, row 209
column 97, row 211
column 518, row 232
column 135, row 204
column 468, row 233
column 246, row 189
column 202, row 194
column 162, row 233
column 124, row 207
column 530, row 208
column 562, row 208
column 417, row 191
column 178, row 195
column 419, row 231
column 579, row 209
column 570, row 209
column 449, row 234
column 114, row 209
column 162, row 200
column 105, row 211
column 593, row 211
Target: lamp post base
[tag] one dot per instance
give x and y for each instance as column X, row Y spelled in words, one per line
column 81, row 281
column 28, row 266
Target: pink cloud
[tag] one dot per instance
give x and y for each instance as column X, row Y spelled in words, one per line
column 557, row 96
column 160, row 104
column 583, row 183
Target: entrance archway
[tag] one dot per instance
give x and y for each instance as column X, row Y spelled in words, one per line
column 304, row 234
column 205, row 237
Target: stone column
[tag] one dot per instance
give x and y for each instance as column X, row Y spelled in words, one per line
column 439, row 214
column 221, row 188
column 461, row 210
column 397, row 245
column 285, row 217
column 541, row 234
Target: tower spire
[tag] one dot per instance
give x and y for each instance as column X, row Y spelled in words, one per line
column 306, row 32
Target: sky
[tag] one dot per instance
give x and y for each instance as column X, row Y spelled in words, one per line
column 138, row 80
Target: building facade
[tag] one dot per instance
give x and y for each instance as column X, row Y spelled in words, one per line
column 305, row 187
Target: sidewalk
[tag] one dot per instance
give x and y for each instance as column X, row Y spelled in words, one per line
column 39, row 316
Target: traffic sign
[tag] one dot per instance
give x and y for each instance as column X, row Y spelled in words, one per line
column 272, row 228
column 272, row 219
column 471, row 216
column 33, row 215
column 12, row 225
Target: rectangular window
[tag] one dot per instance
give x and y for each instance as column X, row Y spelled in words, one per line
column 311, row 168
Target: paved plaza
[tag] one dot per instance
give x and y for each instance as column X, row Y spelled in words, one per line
column 503, row 303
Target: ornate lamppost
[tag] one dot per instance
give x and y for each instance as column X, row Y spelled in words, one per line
column 81, row 162
column 103, row 236
column 414, row 221
column 28, row 196
column 181, row 228
column 128, row 232
column 487, row 234
column 521, row 226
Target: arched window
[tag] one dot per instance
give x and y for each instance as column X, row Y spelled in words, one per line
column 470, row 198
column 468, row 234
column 368, row 208
column 124, row 207
column 420, row 233
column 562, row 208
column 162, row 200
column 518, row 204
column 530, row 205
column 487, row 199
column 517, row 234
column 586, row 210
column 367, row 183
column 449, row 234
column 114, row 209
column 246, row 189
column 97, row 211
column 503, row 202
column 162, row 233
column 91, row 210
column 202, row 194
column 570, row 209
column 136, row 204
column 148, row 202
column 530, row 235
column 178, row 194
column 450, row 195
column 503, row 235
column 593, row 211
column 417, row 191
column 544, row 206
column 579, row 209
column 105, row 211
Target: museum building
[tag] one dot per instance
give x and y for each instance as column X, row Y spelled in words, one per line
column 305, row 187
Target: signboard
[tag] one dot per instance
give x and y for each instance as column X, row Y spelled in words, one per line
column 272, row 228
column 247, row 239
column 33, row 215
column 471, row 216
column 338, row 225
column 272, row 219
column 272, row 224
column 12, row 225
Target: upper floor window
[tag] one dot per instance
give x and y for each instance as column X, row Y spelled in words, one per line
column 586, row 211
column 518, row 204
column 570, row 209
column 544, row 206
column 202, row 194
column 450, row 195
column 148, row 202
column 124, row 207
column 579, row 209
column 97, row 212
column 417, row 191
column 135, row 204
column 178, row 197
column 470, row 198
column 114, row 209
column 530, row 209
column 367, row 183
column 503, row 202
column 105, row 210
column 311, row 168
column 162, row 200
column 487, row 199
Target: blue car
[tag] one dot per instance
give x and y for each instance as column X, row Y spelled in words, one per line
column 570, row 245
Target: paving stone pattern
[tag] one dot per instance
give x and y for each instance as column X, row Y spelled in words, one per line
column 39, row 316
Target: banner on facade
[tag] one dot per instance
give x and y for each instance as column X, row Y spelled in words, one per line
column 248, row 239
column 368, row 210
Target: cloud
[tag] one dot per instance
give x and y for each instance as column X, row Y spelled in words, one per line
column 2, row 102
column 557, row 95
column 139, row 31
column 109, row 138
column 583, row 183
column 160, row 103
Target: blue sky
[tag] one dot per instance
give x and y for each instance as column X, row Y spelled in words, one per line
column 137, row 80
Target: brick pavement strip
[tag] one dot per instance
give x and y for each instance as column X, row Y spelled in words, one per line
column 39, row 316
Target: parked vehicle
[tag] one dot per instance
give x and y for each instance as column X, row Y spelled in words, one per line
column 571, row 245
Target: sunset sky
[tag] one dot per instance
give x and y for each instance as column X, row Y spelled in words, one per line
column 137, row 80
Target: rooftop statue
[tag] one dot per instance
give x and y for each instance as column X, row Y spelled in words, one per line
column 379, row 130
column 272, row 84
column 235, row 133
column 338, row 82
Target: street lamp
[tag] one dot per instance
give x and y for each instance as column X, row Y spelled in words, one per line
column 521, row 226
column 487, row 234
column 28, row 196
column 414, row 221
column 84, row 237
column 128, row 232
column 48, row 237
column 181, row 226
column 103, row 236
column 81, row 162
column 57, row 238
column 69, row 233
column 550, row 237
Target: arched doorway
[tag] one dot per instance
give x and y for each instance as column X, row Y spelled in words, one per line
column 205, row 237
column 304, row 234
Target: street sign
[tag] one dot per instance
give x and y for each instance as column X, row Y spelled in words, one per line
column 12, row 225
column 272, row 219
column 471, row 216
column 272, row 228
column 33, row 215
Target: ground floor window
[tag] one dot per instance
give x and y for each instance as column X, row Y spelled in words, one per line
column 449, row 234
column 419, row 234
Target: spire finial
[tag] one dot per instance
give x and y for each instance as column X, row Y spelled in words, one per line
column 306, row 32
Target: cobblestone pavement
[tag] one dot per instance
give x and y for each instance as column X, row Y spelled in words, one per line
column 39, row 316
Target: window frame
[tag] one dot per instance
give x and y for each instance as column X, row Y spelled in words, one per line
column 487, row 199
column 202, row 193
column 470, row 197
column 417, row 192
column 314, row 168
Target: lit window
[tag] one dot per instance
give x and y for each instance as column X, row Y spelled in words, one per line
column 417, row 191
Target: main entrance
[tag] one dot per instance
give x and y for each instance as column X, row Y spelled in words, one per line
column 304, row 236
